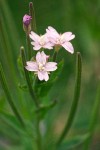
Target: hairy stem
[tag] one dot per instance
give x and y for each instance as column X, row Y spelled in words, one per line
column 28, row 78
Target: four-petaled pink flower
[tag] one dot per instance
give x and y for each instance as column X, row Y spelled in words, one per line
column 41, row 67
column 40, row 41
column 60, row 39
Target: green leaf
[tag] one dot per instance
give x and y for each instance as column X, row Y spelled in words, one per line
column 9, row 97
column 73, row 142
column 42, row 88
column 7, row 132
column 2, row 102
column 11, row 121
column 93, row 119
column 75, row 98
column 20, row 66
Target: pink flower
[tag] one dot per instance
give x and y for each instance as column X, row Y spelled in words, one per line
column 41, row 67
column 40, row 41
column 60, row 39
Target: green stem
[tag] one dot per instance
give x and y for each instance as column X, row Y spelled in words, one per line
column 39, row 138
column 28, row 46
column 94, row 118
column 75, row 99
column 54, row 57
column 8, row 96
column 28, row 78
column 32, row 14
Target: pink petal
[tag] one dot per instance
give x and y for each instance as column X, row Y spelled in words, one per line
column 68, row 46
column 41, row 57
column 34, row 36
column 68, row 36
column 52, row 29
column 51, row 32
column 51, row 66
column 37, row 47
column 40, row 76
column 46, row 76
column 31, row 66
column 43, row 76
column 48, row 46
column 34, row 43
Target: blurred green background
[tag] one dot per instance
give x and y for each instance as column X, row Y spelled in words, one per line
column 78, row 16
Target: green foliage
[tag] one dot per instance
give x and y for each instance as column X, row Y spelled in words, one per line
column 2, row 102
column 73, row 143
column 82, row 18
column 11, row 121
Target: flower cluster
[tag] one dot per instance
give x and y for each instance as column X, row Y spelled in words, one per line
column 52, row 38
column 41, row 67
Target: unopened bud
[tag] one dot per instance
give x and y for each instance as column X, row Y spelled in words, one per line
column 27, row 23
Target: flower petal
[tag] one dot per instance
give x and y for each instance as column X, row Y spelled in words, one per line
column 69, row 47
column 51, row 32
column 52, row 29
column 51, row 66
column 41, row 57
column 37, row 47
column 31, row 66
column 48, row 46
column 46, row 76
column 68, row 36
column 40, row 75
column 34, row 36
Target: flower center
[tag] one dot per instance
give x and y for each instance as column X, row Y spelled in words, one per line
column 41, row 67
column 42, row 40
column 60, row 39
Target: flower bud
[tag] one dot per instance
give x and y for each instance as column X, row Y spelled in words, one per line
column 27, row 23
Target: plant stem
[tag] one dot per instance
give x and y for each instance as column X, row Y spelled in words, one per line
column 28, row 78
column 8, row 96
column 93, row 119
column 32, row 14
column 39, row 138
column 54, row 57
column 35, row 82
column 75, row 99
column 28, row 46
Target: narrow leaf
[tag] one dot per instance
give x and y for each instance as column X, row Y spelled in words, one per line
column 73, row 143
column 8, row 96
column 75, row 99
column 93, row 118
